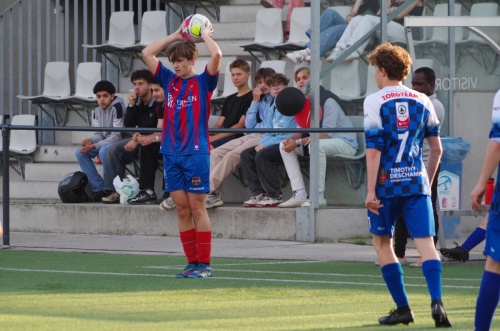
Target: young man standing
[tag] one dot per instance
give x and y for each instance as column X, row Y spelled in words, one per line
column 235, row 105
column 108, row 113
column 489, row 291
column 397, row 119
column 185, row 140
column 225, row 159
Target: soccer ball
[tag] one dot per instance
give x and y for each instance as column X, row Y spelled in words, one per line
column 192, row 26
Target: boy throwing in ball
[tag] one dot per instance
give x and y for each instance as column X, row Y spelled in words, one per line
column 397, row 119
column 185, row 140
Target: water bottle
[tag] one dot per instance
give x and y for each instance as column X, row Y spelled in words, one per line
column 490, row 187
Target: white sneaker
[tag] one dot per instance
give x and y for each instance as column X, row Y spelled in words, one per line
column 253, row 200
column 293, row 202
column 335, row 54
column 269, row 202
column 299, row 56
column 214, row 200
column 167, row 204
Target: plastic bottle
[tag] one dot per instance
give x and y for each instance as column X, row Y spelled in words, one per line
column 490, row 187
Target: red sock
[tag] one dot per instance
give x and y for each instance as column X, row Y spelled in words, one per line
column 204, row 246
column 188, row 240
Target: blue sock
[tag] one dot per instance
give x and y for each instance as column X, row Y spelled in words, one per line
column 487, row 300
column 432, row 273
column 474, row 239
column 393, row 277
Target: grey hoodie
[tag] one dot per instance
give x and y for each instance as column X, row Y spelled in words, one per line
column 110, row 117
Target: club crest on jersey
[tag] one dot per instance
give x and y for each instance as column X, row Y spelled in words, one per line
column 383, row 176
column 403, row 115
column 196, row 181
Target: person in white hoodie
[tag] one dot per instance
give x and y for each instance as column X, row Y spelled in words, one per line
column 108, row 113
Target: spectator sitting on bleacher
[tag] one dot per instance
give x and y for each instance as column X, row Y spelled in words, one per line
column 108, row 113
column 259, row 163
column 235, row 105
column 141, row 112
column 331, row 143
column 280, row 4
column 331, row 27
column 360, row 25
column 225, row 159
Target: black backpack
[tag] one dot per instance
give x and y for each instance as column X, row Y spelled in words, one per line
column 74, row 188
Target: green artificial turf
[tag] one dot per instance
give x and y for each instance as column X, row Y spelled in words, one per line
column 78, row 291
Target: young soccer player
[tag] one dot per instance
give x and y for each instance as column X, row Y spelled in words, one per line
column 185, row 140
column 397, row 119
column 489, row 291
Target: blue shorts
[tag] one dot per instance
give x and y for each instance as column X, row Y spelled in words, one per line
column 190, row 173
column 416, row 211
column 492, row 245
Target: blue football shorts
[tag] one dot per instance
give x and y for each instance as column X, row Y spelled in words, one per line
column 492, row 245
column 416, row 211
column 190, row 173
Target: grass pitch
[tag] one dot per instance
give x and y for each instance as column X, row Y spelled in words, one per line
column 79, row 291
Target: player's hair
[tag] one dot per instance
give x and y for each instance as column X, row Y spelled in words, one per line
column 242, row 64
column 264, row 73
column 307, row 71
column 104, row 85
column 278, row 79
column 141, row 74
column 182, row 49
column 394, row 59
column 429, row 74
column 154, row 81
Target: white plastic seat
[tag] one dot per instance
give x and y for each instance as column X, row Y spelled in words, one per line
column 344, row 80
column 22, row 142
column 55, row 84
column 121, row 31
column 342, row 10
column 300, row 21
column 268, row 32
column 439, row 35
column 278, row 65
column 87, row 75
column 153, row 26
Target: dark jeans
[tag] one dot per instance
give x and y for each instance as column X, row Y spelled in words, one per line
column 401, row 232
column 148, row 160
column 259, row 170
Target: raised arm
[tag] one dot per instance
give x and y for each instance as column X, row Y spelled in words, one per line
column 149, row 53
column 213, row 65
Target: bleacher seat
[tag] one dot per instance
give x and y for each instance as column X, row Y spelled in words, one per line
column 55, row 84
column 278, row 65
column 354, row 164
column 268, row 33
column 153, row 27
column 22, row 142
column 300, row 21
column 344, row 80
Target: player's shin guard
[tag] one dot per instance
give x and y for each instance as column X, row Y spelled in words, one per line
column 393, row 277
column 432, row 273
column 487, row 300
column 188, row 240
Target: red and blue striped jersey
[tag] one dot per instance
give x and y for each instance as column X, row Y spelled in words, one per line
column 187, row 111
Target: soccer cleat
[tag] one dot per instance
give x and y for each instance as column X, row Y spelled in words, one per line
column 253, row 200
column 167, row 204
column 395, row 318
column 439, row 315
column 213, row 200
column 457, row 253
column 269, row 202
column 112, row 198
column 143, row 198
column 189, row 269
column 202, row 271
column 293, row 202
column 335, row 54
column 299, row 56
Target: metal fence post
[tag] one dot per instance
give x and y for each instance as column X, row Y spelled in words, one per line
column 5, row 171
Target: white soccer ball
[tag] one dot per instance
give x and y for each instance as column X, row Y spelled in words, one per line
column 192, row 27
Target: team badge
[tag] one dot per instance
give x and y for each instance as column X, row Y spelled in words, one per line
column 403, row 116
column 383, row 176
column 196, row 181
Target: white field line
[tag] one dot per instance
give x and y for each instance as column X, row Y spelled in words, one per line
column 74, row 272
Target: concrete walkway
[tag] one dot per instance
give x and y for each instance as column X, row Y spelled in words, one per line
column 158, row 245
